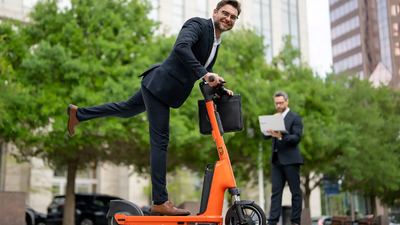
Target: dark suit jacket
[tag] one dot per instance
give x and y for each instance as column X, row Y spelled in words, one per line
column 172, row 80
column 288, row 149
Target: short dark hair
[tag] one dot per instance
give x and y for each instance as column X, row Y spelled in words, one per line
column 281, row 93
column 233, row 3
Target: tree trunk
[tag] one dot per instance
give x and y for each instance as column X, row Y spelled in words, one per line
column 69, row 208
column 373, row 209
column 307, row 192
column 306, row 214
column 3, row 146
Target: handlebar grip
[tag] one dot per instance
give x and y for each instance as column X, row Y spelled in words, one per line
column 211, row 78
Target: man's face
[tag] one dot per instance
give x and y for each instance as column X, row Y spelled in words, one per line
column 224, row 17
column 281, row 104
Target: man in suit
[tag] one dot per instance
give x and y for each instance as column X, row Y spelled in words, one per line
column 169, row 84
column 286, row 159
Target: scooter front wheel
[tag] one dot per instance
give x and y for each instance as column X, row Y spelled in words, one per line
column 252, row 213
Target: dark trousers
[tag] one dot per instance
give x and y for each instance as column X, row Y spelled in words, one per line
column 281, row 174
column 158, row 115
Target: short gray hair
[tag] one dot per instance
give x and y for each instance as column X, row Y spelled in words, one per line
column 281, row 93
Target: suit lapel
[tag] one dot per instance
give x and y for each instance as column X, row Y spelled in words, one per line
column 287, row 119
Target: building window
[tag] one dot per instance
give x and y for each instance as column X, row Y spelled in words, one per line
column 343, row 10
column 29, row 4
column 384, row 34
column 262, row 24
column 348, row 63
column 345, row 27
column 396, row 29
column 397, row 49
column 290, row 21
column 395, row 10
column 154, row 10
column 177, row 15
column 202, row 8
column 346, row 45
column 85, row 182
column 332, row 2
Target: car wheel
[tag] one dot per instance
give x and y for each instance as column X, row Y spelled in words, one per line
column 86, row 221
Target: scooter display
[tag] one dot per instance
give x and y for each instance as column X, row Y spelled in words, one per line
column 218, row 178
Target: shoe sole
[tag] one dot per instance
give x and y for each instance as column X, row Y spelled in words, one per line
column 160, row 214
column 69, row 118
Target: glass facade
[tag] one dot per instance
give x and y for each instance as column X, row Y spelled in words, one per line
column 332, row 2
column 262, row 23
column 343, row 10
column 397, row 48
column 346, row 45
column 345, row 27
column 290, row 21
column 395, row 10
column 85, row 182
column 384, row 34
column 177, row 15
column 348, row 63
column 154, row 13
column 202, row 8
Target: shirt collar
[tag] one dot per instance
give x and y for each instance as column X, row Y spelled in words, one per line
column 217, row 40
column 285, row 112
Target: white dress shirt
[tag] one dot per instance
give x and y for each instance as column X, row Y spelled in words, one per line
column 217, row 41
column 285, row 112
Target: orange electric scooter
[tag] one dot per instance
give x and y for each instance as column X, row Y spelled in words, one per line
column 218, row 178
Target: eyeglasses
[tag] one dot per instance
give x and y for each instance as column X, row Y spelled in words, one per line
column 279, row 103
column 226, row 14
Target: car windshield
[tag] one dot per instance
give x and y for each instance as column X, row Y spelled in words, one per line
column 104, row 201
column 59, row 200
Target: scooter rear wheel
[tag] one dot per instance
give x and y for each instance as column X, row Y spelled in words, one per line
column 252, row 212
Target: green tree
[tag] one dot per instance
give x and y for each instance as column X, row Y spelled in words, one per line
column 370, row 164
column 88, row 54
column 18, row 119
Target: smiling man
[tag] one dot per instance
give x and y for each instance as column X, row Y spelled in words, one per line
column 167, row 85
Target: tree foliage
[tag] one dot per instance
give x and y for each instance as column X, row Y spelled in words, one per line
column 92, row 53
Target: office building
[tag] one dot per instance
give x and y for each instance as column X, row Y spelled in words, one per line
column 270, row 18
column 365, row 33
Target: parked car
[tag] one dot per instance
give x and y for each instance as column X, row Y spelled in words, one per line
column 321, row 220
column 32, row 217
column 91, row 209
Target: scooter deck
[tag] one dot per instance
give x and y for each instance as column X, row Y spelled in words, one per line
column 167, row 220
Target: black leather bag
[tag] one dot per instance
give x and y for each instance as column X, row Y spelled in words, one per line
column 229, row 114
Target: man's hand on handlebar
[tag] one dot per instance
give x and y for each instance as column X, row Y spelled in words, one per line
column 215, row 80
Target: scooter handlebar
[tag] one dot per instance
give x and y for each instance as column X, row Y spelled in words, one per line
column 211, row 78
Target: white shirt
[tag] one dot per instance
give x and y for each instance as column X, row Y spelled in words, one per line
column 217, row 41
column 285, row 112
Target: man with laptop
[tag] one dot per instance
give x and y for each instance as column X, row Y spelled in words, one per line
column 285, row 128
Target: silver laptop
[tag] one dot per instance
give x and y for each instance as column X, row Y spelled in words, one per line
column 272, row 122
